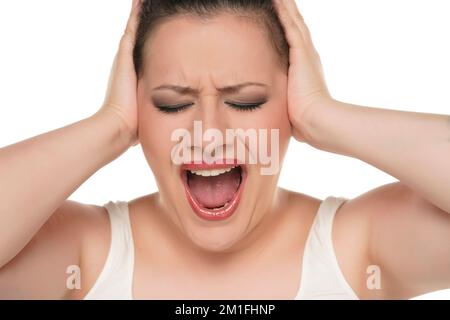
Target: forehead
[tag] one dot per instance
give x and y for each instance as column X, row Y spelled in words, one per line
column 225, row 47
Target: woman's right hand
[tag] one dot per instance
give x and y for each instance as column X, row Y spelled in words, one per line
column 121, row 95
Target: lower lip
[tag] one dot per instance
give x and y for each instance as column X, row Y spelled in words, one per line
column 219, row 214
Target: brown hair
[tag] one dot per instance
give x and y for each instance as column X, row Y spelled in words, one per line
column 260, row 11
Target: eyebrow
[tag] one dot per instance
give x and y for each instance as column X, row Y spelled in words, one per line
column 226, row 89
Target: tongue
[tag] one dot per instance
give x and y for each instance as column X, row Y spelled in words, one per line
column 214, row 191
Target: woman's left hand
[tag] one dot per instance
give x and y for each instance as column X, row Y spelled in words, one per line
column 307, row 90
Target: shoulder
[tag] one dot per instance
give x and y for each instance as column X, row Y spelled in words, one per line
column 353, row 230
column 84, row 216
column 393, row 204
column 87, row 226
column 389, row 223
column 381, row 198
column 80, row 219
column 96, row 235
column 70, row 224
column 56, row 246
column 387, row 202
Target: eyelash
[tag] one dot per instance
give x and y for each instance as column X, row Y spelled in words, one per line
column 236, row 106
column 245, row 106
column 173, row 109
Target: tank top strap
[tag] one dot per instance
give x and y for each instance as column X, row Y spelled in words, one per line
column 321, row 276
column 116, row 278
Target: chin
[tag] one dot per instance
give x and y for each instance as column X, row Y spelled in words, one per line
column 213, row 235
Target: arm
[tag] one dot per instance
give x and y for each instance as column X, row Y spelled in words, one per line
column 408, row 223
column 412, row 147
column 41, row 233
column 43, row 268
column 408, row 239
column 38, row 174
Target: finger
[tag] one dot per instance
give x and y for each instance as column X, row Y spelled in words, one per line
column 292, row 30
column 130, row 31
column 293, row 10
column 133, row 18
column 297, row 32
column 305, row 30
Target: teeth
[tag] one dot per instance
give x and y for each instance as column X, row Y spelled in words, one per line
column 209, row 173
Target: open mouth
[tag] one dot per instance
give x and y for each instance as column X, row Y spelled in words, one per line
column 213, row 190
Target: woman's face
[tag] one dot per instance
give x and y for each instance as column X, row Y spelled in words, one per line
column 208, row 56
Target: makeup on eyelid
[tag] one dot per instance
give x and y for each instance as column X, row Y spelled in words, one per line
column 239, row 106
column 241, row 102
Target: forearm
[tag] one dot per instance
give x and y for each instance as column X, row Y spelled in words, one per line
column 412, row 147
column 38, row 174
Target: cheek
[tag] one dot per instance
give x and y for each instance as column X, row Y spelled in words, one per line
column 278, row 119
column 154, row 141
column 273, row 115
column 271, row 123
column 154, row 135
column 284, row 126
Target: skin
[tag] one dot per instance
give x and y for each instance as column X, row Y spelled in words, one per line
column 206, row 67
column 401, row 227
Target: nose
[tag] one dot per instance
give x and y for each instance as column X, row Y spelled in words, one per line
column 212, row 120
column 210, row 112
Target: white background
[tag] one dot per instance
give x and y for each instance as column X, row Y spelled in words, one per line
column 56, row 55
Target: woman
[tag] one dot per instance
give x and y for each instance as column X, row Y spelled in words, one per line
column 224, row 230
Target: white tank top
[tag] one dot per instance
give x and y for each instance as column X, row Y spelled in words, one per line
column 321, row 277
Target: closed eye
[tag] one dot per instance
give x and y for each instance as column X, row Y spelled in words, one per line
column 245, row 106
column 237, row 106
column 174, row 108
